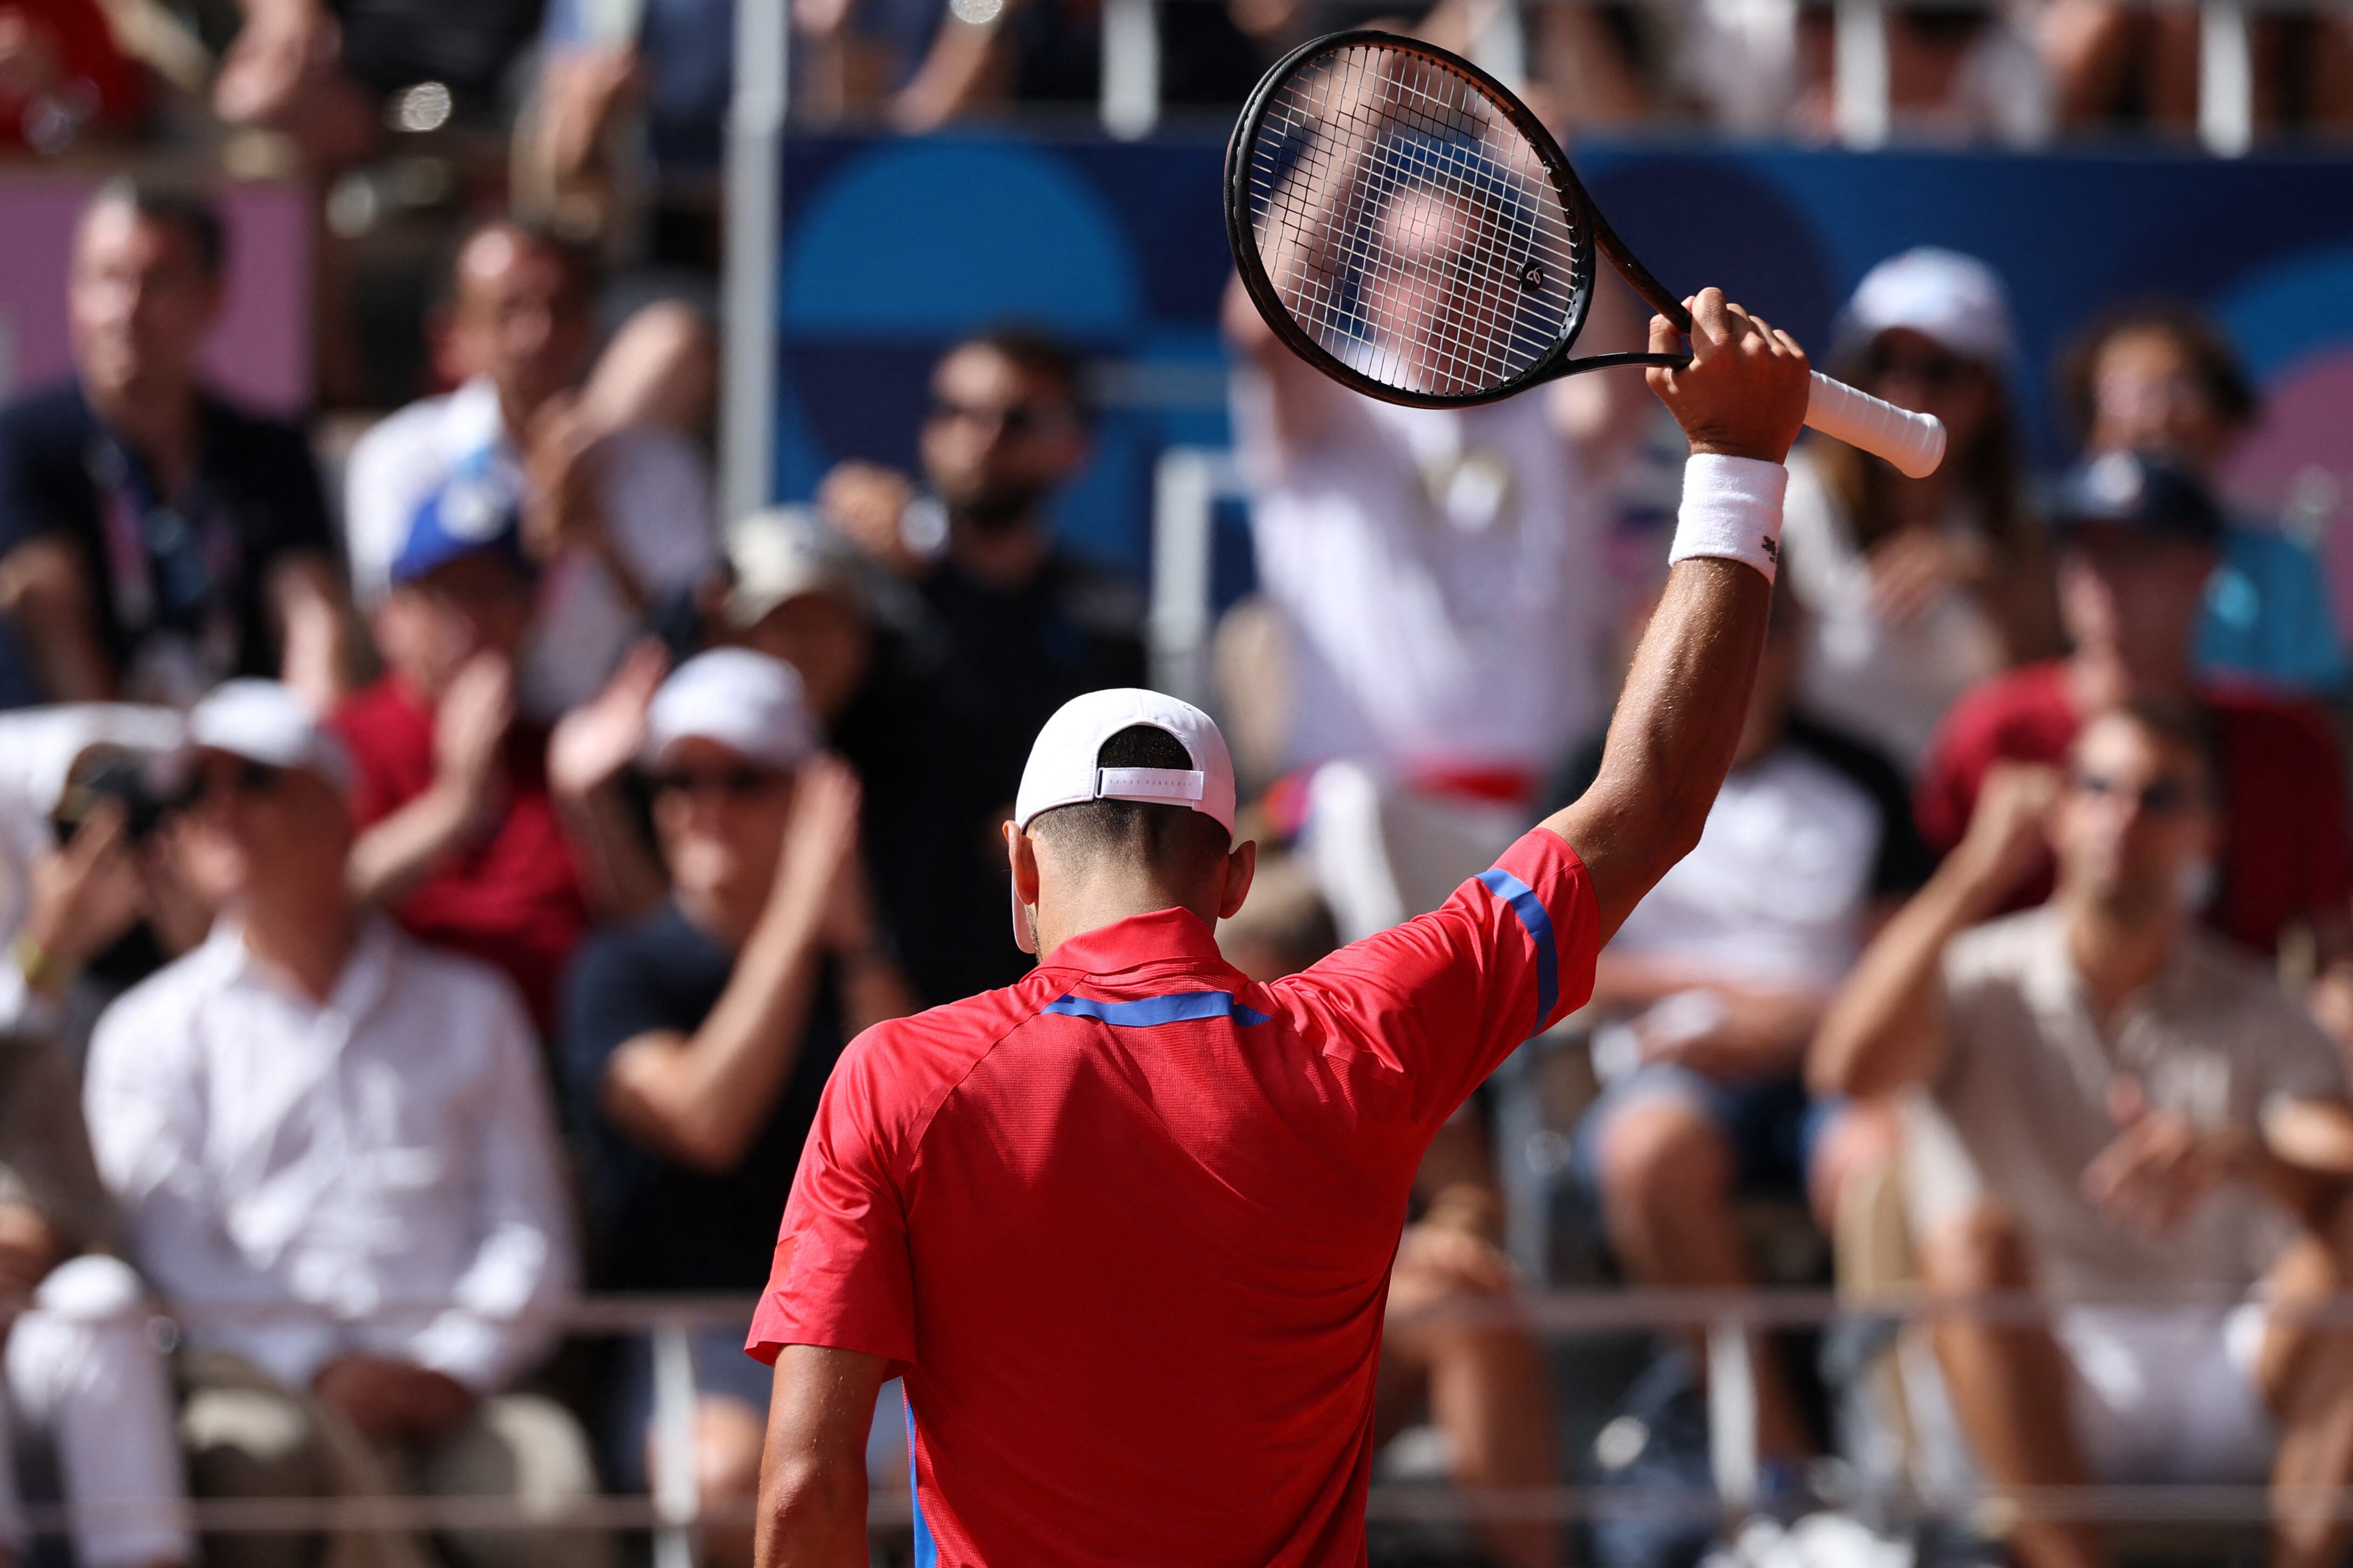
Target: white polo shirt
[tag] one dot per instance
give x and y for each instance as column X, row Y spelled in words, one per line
column 657, row 504
column 1439, row 578
column 386, row 1162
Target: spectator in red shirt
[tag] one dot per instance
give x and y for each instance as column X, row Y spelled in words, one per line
column 480, row 830
column 2137, row 541
column 1126, row 1227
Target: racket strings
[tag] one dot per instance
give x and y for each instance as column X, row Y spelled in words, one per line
column 1410, row 230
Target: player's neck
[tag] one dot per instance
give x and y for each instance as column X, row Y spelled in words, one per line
column 1063, row 913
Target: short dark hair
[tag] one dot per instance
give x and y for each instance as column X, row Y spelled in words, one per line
column 179, row 206
column 1035, row 352
column 2213, row 362
column 1163, row 836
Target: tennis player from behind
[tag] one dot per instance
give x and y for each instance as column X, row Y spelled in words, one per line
column 1125, row 1227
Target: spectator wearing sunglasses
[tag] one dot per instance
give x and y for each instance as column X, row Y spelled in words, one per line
column 2137, row 541
column 1918, row 589
column 697, row 1038
column 481, row 831
column 315, row 1117
column 1012, row 626
column 2114, row 1104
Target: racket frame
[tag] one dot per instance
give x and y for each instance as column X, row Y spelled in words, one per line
column 1588, row 233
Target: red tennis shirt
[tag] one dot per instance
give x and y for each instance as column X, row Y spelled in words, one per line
column 1126, row 1227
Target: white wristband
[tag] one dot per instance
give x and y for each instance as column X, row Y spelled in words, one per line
column 1731, row 510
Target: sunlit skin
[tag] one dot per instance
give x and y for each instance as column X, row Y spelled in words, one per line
column 427, row 630
column 523, row 319
column 1423, row 296
column 140, row 305
column 722, row 845
column 2134, row 823
column 825, row 637
column 2147, row 397
column 998, row 435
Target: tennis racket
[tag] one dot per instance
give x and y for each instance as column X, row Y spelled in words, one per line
column 1407, row 227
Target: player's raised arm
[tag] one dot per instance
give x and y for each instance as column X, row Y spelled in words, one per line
column 1741, row 401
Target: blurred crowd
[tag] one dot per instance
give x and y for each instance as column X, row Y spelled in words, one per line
column 436, row 893
column 596, row 98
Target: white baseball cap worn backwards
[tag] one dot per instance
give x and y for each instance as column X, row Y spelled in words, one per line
column 1063, row 770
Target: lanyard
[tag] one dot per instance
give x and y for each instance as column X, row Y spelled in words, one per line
column 168, row 560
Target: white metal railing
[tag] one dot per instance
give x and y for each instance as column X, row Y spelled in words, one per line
column 1725, row 1318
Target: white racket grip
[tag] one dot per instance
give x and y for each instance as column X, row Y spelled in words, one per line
column 1914, row 442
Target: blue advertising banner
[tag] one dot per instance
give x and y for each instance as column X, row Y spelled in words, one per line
column 893, row 247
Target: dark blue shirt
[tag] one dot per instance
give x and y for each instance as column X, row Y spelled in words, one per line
column 193, row 566
column 655, row 1225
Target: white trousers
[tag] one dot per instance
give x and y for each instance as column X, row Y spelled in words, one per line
column 85, row 1381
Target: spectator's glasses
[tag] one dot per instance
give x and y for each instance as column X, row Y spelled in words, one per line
column 2158, row 797
column 736, row 783
column 239, row 776
column 1929, row 370
column 1017, row 419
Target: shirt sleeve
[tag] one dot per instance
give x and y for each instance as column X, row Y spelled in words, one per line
column 843, row 1277
column 1447, row 995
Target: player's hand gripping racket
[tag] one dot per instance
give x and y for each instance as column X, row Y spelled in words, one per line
column 1406, row 225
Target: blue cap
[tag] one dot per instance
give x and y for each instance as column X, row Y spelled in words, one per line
column 469, row 512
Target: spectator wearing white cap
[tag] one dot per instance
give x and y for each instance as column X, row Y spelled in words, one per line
column 697, row 1040
column 800, row 593
column 1916, row 589
column 333, row 1147
column 480, row 830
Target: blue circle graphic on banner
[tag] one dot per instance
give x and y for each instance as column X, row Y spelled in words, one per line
column 929, row 238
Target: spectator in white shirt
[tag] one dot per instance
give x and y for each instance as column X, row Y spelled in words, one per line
column 1437, row 594
column 333, row 1148
column 615, row 494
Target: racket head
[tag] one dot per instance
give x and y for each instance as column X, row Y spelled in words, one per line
column 1405, row 225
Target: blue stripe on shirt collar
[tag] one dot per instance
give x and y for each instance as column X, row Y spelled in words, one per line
column 1532, row 915
column 1179, row 1007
